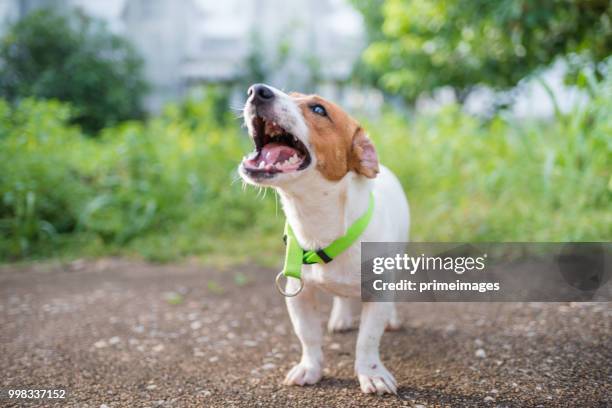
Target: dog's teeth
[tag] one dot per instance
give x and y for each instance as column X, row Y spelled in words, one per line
column 261, row 165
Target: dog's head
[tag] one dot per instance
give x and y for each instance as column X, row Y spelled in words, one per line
column 298, row 134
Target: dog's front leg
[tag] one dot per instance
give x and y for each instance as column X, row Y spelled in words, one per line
column 307, row 324
column 372, row 374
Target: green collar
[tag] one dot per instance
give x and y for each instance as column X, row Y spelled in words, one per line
column 295, row 256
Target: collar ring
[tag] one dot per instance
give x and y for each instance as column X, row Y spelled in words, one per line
column 279, row 286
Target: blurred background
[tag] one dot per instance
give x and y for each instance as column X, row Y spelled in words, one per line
column 120, row 131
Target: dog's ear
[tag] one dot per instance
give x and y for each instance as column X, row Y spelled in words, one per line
column 363, row 158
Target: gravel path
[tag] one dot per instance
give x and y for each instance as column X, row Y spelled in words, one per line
column 119, row 333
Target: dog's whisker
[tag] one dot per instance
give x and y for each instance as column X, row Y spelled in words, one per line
column 275, row 203
column 235, row 179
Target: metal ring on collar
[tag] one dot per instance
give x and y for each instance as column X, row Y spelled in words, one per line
column 282, row 291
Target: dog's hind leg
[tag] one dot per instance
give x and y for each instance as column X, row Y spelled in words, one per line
column 394, row 323
column 344, row 315
column 372, row 374
column 308, row 326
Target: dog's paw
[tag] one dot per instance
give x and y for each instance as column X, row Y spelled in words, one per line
column 375, row 378
column 394, row 324
column 303, row 374
column 341, row 323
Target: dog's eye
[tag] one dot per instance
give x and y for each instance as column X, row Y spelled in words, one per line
column 319, row 110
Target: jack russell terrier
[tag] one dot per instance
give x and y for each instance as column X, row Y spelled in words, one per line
column 326, row 172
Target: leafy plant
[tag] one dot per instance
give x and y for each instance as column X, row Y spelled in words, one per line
column 168, row 188
column 419, row 46
column 136, row 182
column 73, row 58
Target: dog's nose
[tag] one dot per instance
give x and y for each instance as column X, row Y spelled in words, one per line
column 260, row 93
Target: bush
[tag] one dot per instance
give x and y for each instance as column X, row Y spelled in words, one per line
column 420, row 46
column 501, row 180
column 168, row 188
column 163, row 187
column 72, row 58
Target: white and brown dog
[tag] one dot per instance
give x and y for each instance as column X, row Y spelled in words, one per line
column 325, row 167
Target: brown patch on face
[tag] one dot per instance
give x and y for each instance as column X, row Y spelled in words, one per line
column 339, row 143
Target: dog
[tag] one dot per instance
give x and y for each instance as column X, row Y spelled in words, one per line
column 325, row 168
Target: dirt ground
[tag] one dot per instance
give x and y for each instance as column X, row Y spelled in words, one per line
column 118, row 333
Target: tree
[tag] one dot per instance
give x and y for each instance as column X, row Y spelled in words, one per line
column 71, row 57
column 418, row 46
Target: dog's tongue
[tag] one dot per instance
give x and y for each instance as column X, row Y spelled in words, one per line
column 273, row 153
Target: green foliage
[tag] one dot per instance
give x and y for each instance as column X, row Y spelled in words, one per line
column 418, row 46
column 501, row 180
column 168, row 188
column 72, row 58
column 506, row 181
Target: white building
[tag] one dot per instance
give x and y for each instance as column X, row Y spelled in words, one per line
column 299, row 44
column 162, row 32
column 190, row 42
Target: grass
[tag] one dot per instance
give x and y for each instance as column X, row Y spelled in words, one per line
column 167, row 188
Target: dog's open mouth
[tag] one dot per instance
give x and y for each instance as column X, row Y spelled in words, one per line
column 276, row 150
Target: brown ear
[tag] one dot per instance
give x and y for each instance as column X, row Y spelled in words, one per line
column 363, row 158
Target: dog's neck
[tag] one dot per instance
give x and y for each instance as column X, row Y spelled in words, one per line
column 320, row 211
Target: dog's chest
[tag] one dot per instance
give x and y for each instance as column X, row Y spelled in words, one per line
column 341, row 277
